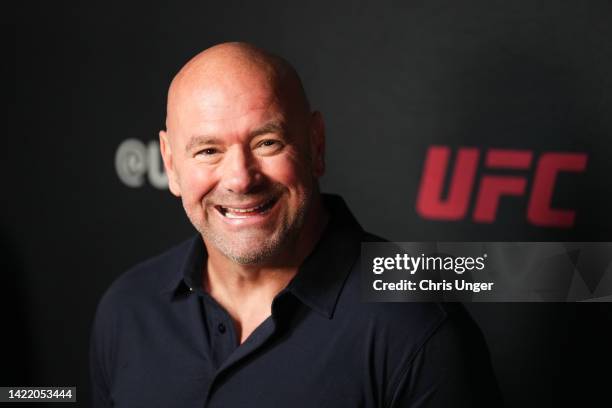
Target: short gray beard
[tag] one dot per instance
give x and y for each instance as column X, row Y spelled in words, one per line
column 285, row 237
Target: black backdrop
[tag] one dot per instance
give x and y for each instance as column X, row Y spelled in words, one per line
column 391, row 78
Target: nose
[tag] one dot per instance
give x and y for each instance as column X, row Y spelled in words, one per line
column 240, row 173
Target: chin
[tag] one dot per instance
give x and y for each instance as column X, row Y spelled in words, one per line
column 251, row 257
column 247, row 249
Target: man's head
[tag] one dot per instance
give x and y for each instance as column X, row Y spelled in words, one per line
column 243, row 151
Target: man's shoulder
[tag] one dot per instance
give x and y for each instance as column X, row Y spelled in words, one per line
column 149, row 277
column 403, row 329
column 414, row 323
column 404, row 323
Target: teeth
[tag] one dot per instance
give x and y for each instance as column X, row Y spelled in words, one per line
column 230, row 215
column 235, row 212
column 243, row 210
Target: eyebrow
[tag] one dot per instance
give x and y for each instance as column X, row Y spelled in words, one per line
column 198, row 140
column 270, row 127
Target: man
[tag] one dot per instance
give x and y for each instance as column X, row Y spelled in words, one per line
column 262, row 307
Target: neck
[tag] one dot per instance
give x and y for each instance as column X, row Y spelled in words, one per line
column 248, row 290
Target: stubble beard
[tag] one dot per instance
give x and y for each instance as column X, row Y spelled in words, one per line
column 251, row 249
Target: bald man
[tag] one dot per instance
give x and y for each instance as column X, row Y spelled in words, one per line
column 261, row 308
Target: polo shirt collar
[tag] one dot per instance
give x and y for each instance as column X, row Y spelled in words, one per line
column 321, row 276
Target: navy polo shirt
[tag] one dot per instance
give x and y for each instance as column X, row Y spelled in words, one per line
column 159, row 340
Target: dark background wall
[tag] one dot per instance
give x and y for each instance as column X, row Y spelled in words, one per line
column 391, row 78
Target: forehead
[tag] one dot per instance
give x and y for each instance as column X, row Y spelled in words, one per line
column 225, row 108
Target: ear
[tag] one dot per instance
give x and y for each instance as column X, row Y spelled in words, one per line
column 317, row 143
column 166, row 153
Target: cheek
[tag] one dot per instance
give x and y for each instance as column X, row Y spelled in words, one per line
column 196, row 181
column 288, row 170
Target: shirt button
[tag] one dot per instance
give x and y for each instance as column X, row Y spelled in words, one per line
column 221, row 328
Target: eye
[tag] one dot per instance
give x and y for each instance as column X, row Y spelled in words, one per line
column 209, row 151
column 270, row 145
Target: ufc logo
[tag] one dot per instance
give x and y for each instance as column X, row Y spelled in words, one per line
column 491, row 188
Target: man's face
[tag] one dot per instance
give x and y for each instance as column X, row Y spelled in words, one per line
column 241, row 162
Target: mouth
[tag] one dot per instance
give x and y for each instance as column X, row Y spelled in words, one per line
column 246, row 212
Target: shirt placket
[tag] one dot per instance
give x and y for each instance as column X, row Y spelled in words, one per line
column 239, row 352
column 221, row 331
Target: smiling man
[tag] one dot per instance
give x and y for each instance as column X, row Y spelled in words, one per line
column 262, row 307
